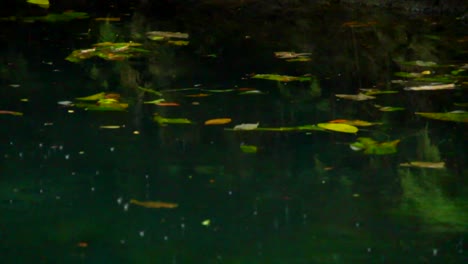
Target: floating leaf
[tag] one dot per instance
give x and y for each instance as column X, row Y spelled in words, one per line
column 107, row 101
column 108, row 51
column 163, row 121
column 93, row 97
column 246, row 126
column 248, row 148
column 389, row 108
column 218, row 91
column 7, row 112
column 457, row 72
column 110, row 127
column 154, row 204
column 282, row 129
column 377, row 91
column 251, row 92
column 310, row 127
column 118, row 46
column 65, row 103
column 354, row 122
column 437, row 78
column 371, row 146
column 156, row 35
column 455, row 116
column 103, row 107
column 290, row 55
column 218, row 121
column 345, row 128
column 161, row 102
column 157, row 101
column 178, row 42
column 282, row 78
column 167, row 104
column 355, row 97
column 41, row 3
column 148, row 90
column 433, row 87
column 424, row 164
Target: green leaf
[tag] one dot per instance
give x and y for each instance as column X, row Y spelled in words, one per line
column 148, row 90
column 456, row 116
column 282, row 78
column 218, row 91
column 373, row 147
column 376, row 91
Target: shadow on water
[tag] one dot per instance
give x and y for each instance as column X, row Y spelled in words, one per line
column 285, row 192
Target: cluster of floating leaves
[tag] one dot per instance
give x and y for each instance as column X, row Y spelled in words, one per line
column 98, row 102
column 425, row 80
column 432, row 77
column 108, row 51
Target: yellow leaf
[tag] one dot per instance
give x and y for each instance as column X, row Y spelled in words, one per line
column 345, row 128
column 93, row 97
column 41, row 3
column 110, row 127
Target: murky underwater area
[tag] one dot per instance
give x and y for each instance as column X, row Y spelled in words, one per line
column 233, row 133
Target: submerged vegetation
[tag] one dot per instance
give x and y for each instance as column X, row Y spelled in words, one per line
column 425, row 197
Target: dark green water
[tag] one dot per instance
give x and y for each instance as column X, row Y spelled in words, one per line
column 304, row 197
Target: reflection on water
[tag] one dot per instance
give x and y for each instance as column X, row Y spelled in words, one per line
column 280, row 176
